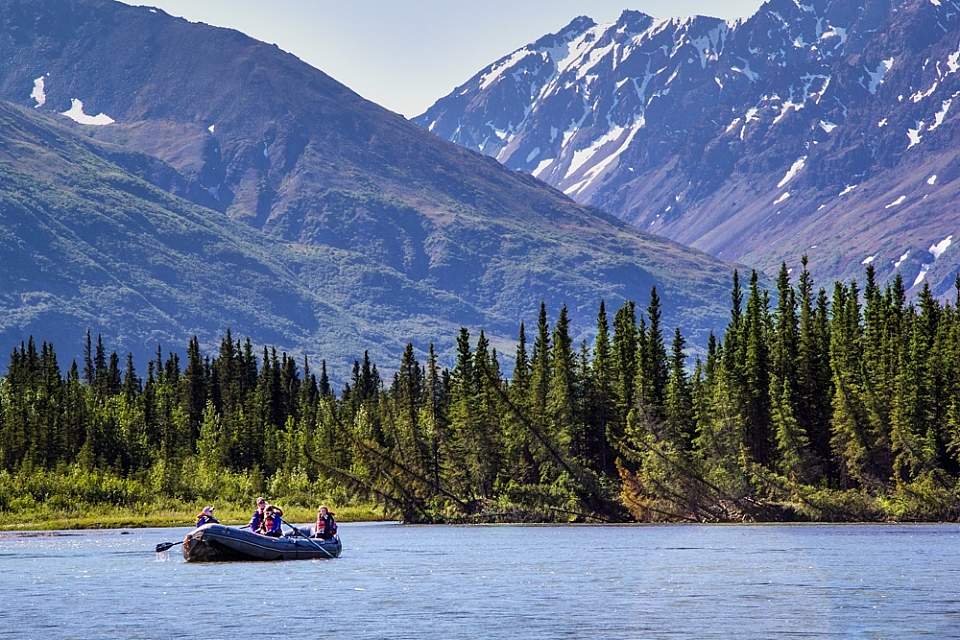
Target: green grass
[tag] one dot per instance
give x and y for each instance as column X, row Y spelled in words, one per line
column 109, row 517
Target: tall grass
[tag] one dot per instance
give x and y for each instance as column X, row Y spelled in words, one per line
column 72, row 497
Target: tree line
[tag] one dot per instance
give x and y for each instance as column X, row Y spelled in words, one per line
column 813, row 405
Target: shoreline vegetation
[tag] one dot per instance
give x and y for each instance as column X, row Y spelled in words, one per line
column 812, row 407
column 105, row 517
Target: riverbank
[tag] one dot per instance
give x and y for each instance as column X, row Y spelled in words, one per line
column 117, row 518
column 77, row 498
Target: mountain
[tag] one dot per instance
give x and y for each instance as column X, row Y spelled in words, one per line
column 87, row 243
column 825, row 127
column 352, row 227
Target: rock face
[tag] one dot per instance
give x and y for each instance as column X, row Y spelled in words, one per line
column 825, row 127
column 352, row 227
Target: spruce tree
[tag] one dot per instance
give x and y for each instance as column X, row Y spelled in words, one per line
column 561, row 397
column 88, row 370
column 194, row 386
column 679, row 411
column 463, row 478
column 601, row 401
column 517, row 439
column 624, row 363
column 754, row 346
column 131, row 383
column 652, row 364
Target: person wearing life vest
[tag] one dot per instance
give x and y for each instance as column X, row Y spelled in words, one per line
column 326, row 525
column 272, row 522
column 256, row 520
column 206, row 517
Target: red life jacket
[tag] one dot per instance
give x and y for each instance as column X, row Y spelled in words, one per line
column 322, row 525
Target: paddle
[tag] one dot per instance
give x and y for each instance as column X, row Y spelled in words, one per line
column 164, row 546
column 297, row 532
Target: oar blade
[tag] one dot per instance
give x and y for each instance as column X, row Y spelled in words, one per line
column 163, row 546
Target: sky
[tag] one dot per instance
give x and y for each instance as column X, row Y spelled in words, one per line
column 405, row 54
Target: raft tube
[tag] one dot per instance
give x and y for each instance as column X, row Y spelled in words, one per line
column 216, row 542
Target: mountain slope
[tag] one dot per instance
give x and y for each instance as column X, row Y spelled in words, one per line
column 405, row 236
column 87, row 244
column 811, row 127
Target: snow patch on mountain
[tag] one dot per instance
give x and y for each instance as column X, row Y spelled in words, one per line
column 541, row 166
column 744, row 69
column 835, row 32
column 901, row 259
column 621, row 137
column 941, row 115
column 921, row 95
column 953, row 61
column 785, row 109
column 937, row 249
column 896, row 203
column 708, row 46
column 794, row 169
column 583, row 155
column 876, row 77
column 76, row 113
column 783, row 197
column 498, row 70
column 924, row 269
column 915, row 135
column 576, row 188
column 39, row 93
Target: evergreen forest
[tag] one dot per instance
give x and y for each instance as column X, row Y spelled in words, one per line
column 814, row 404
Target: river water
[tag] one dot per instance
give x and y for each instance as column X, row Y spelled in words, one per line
column 893, row 581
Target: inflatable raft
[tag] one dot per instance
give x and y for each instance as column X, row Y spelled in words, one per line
column 216, row 542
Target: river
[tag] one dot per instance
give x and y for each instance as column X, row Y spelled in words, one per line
column 597, row 582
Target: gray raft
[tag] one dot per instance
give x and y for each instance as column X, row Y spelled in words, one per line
column 216, row 542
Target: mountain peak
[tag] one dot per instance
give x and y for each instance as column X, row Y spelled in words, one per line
column 740, row 137
column 574, row 28
column 579, row 25
column 633, row 20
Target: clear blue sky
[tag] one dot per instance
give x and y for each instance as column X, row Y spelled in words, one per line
column 404, row 54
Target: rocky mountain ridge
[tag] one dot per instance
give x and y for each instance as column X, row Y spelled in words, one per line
column 825, row 127
column 374, row 231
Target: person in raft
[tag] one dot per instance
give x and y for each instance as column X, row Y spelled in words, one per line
column 256, row 520
column 206, row 517
column 272, row 521
column 326, row 526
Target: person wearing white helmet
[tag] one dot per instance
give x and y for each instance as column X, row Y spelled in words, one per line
column 206, row 517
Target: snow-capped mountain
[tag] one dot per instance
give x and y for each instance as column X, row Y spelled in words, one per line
column 161, row 178
column 824, row 127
